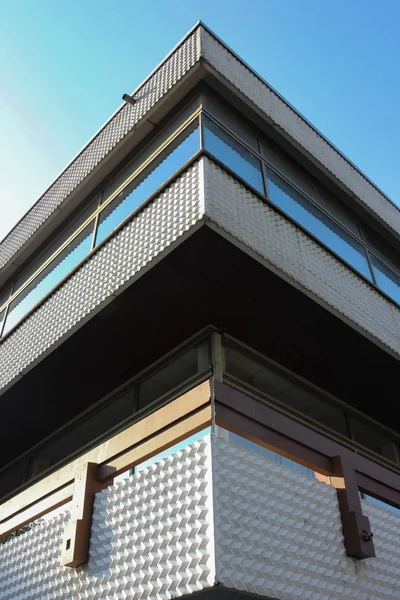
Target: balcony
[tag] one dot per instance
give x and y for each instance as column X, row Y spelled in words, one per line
column 215, row 510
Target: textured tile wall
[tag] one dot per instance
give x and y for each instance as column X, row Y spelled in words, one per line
column 164, row 78
column 150, row 232
column 152, row 537
column 212, row 512
column 278, row 533
column 296, row 128
column 290, row 251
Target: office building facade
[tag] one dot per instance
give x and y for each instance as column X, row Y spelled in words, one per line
column 199, row 355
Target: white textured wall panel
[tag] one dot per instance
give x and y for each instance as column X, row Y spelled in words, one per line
column 286, row 248
column 152, row 537
column 278, row 533
column 164, row 78
column 214, row 512
column 113, row 265
column 296, row 127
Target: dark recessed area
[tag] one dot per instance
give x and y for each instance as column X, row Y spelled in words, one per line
column 206, row 280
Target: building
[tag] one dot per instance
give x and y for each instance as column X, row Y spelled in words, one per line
column 209, row 265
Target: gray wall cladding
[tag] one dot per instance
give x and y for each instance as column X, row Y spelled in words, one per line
column 278, row 534
column 296, row 256
column 297, row 129
column 152, row 537
column 151, row 231
column 164, row 78
column 214, row 512
column 200, row 43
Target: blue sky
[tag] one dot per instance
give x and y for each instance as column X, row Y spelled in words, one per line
column 64, row 65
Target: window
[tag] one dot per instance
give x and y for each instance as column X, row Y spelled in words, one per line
column 386, row 279
column 317, row 223
column 50, row 276
column 148, row 181
column 233, row 155
column 116, row 412
column 286, row 390
column 76, row 241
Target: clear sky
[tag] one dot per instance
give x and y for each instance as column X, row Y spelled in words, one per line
column 64, row 65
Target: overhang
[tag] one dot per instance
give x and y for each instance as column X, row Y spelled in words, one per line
column 205, row 280
column 200, row 55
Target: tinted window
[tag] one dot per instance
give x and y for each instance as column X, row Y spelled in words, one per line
column 233, row 155
column 255, row 373
column 317, row 223
column 58, row 268
column 147, row 182
column 386, row 279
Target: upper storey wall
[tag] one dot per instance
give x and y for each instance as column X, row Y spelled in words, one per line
column 298, row 131
column 114, row 134
column 200, row 46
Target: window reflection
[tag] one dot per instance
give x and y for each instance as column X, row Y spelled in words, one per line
column 62, row 264
column 253, row 371
column 232, row 154
column 147, row 182
column 110, row 415
column 386, row 279
column 377, row 440
column 317, row 223
column 2, row 315
column 80, row 434
column 186, row 365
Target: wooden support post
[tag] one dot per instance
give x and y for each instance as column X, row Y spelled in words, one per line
column 356, row 528
column 76, row 540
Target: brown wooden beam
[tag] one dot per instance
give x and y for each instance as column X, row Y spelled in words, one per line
column 240, row 412
column 356, row 528
column 179, row 419
column 335, row 464
column 76, row 539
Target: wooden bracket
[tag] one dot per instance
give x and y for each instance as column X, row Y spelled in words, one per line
column 76, row 540
column 356, row 527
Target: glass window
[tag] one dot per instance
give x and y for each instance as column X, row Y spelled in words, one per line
column 51, row 275
column 300, row 177
column 377, row 440
column 193, row 361
column 386, row 279
column 147, row 182
column 235, row 156
column 89, row 427
column 3, row 298
column 254, row 372
column 382, row 247
column 232, row 120
column 317, row 223
column 57, row 242
column 13, row 476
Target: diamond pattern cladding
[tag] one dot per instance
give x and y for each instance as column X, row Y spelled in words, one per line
column 278, row 533
column 213, row 512
column 151, row 231
column 152, row 537
column 290, row 251
column 165, row 77
column 285, row 117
